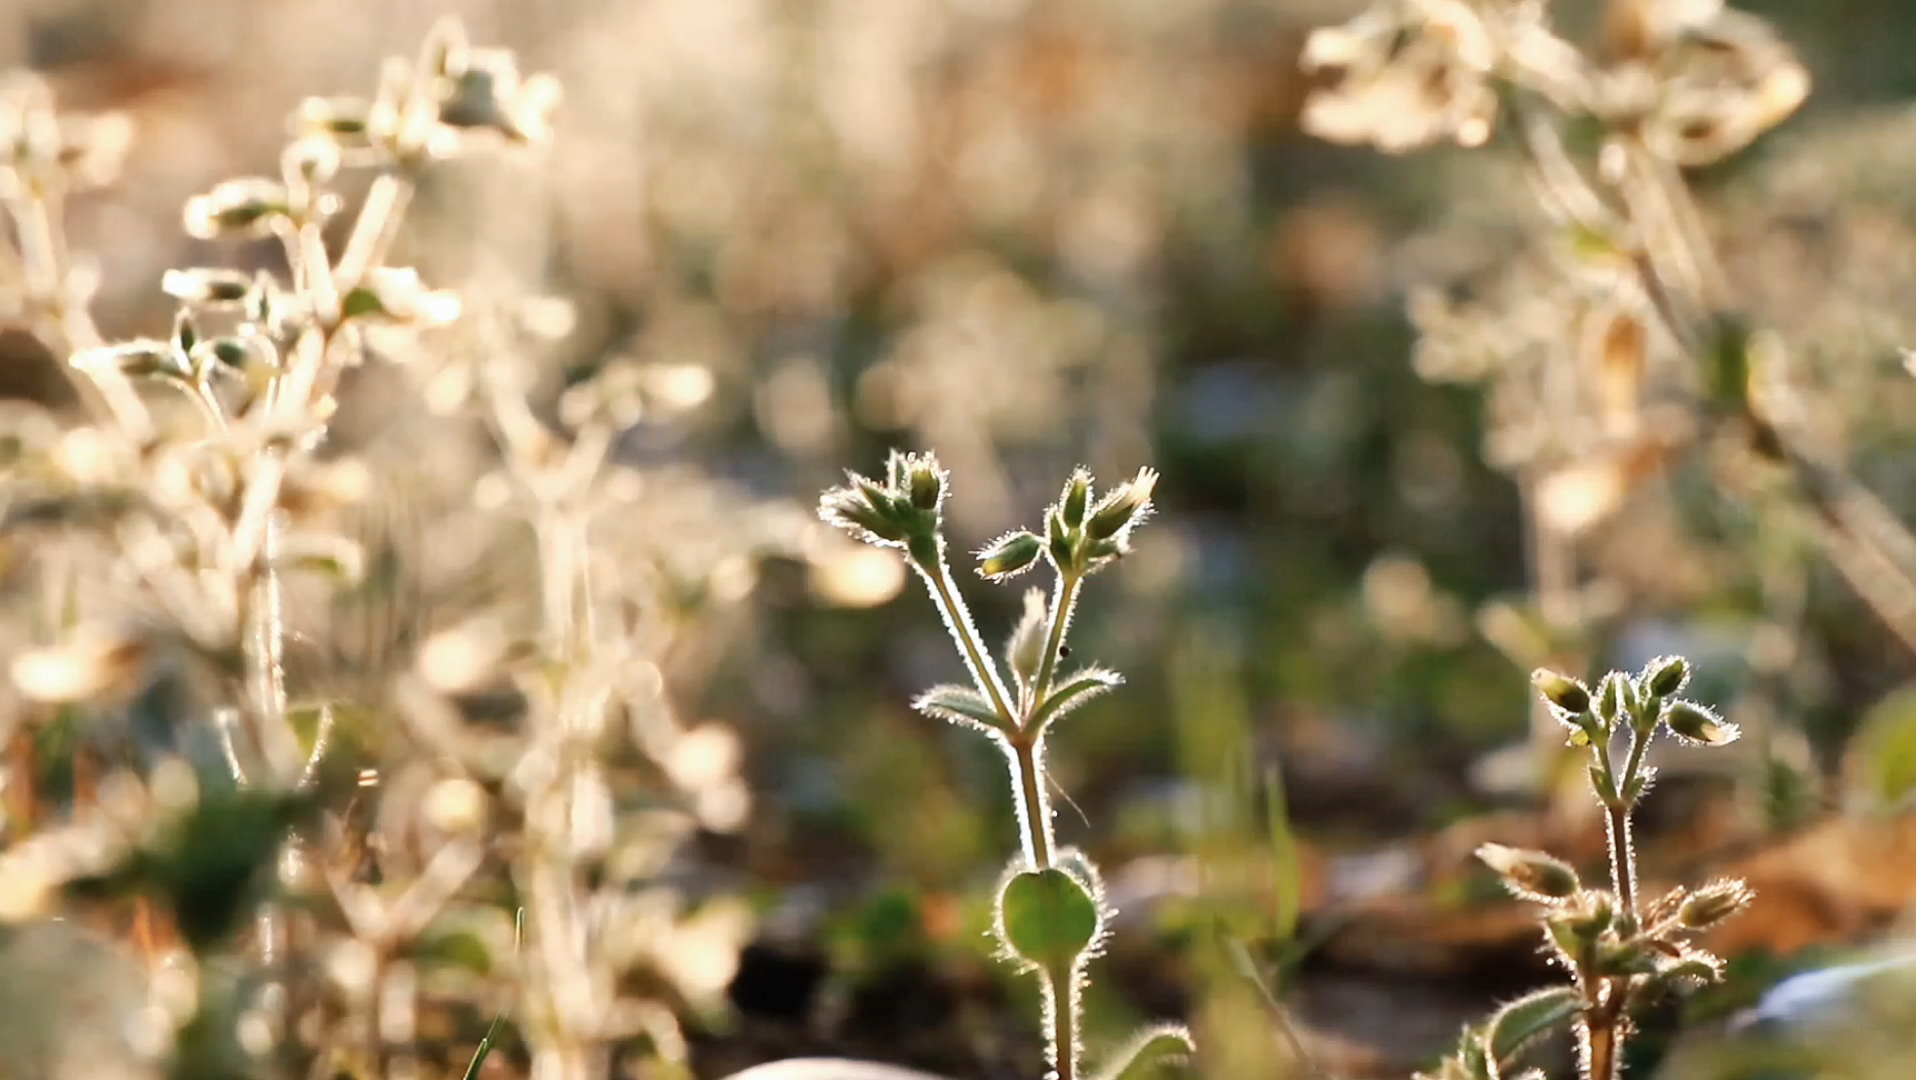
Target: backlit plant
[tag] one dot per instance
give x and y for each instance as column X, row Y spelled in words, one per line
column 1051, row 917
column 1624, row 953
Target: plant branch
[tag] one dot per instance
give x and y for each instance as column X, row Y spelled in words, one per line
column 964, row 633
column 1064, row 600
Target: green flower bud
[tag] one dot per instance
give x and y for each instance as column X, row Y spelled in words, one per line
column 1714, row 903
column 208, row 287
column 1009, row 555
column 243, row 207
column 1076, row 496
column 865, row 511
column 1666, row 676
column 1613, row 698
column 1532, row 875
column 1058, row 542
column 1566, row 693
column 140, row 358
column 924, row 480
column 1124, row 507
column 1698, row 725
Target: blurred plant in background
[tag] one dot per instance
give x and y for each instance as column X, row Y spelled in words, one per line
column 759, row 239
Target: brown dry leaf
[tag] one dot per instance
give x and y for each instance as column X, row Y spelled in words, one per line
column 1832, row 882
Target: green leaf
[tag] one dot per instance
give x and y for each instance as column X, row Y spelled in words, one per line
column 1048, row 918
column 1522, row 1022
column 1726, row 357
column 1074, row 690
column 213, row 865
column 1286, row 887
column 462, row 948
column 360, row 301
column 1880, row 762
column 960, row 705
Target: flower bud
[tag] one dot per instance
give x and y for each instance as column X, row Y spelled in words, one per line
column 139, row 358
column 1058, row 541
column 855, row 512
column 923, row 480
column 1714, row 903
column 1076, row 495
column 1613, row 698
column 1666, row 676
column 343, row 120
column 242, row 207
column 1531, row 875
column 1009, row 555
column 1566, row 693
column 1698, row 725
column 1123, row 507
column 208, row 287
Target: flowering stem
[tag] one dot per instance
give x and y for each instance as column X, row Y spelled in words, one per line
column 1064, row 1007
column 376, row 226
column 1034, row 808
column 964, row 633
column 1064, row 600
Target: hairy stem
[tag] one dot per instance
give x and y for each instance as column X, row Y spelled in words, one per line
column 965, row 634
column 1603, row 1041
column 1064, row 599
column 1034, row 806
column 376, row 227
column 560, row 937
column 1062, row 1005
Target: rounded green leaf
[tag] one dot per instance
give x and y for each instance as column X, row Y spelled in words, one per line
column 1048, row 918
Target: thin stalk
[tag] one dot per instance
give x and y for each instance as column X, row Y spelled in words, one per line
column 1064, row 1009
column 266, row 698
column 559, row 933
column 958, row 621
column 376, row 227
column 1622, row 858
column 1034, row 808
column 1064, row 599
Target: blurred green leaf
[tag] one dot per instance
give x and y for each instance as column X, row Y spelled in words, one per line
column 1880, row 764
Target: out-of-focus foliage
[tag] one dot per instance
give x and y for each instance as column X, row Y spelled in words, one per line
column 765, row 239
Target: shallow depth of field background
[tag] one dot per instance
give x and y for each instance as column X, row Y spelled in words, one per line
column 1028, row 234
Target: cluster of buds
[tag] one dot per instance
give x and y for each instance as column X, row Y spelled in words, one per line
column 903, row 512
column 1696, row 81
column 42, row 151
column 1644, row 702
column 428, row 108
column 1622, row 955
column 1080, row 536
column 1050, row 914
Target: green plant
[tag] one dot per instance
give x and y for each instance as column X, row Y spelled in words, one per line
column 1051, row 917
column 1623, row 953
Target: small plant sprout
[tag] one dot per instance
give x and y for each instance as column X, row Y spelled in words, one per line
column 1051, row 916
column 1622, row 954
